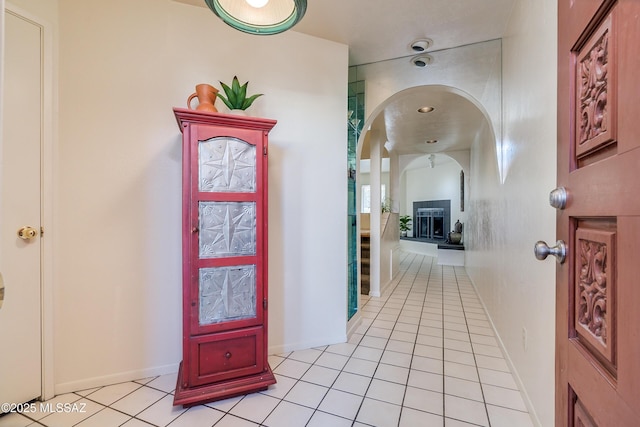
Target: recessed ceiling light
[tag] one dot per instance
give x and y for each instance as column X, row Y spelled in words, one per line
column 431, row 141
column 425, row 109
column 421, row 61
column 420, row 45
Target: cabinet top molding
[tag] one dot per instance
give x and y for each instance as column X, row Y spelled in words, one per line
column 247, row 122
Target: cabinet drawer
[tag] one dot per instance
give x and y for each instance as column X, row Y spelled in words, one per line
column 226, row 355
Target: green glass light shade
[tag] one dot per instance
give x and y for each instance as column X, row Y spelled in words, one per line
column 273, row 18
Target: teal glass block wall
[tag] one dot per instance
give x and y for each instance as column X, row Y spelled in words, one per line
column 355, row 121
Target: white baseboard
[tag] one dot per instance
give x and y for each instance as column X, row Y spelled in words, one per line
column 354, row 323
column 514, row 371
column 384, row 288
column 121, row 377
column 453, row 257
column 422, row 248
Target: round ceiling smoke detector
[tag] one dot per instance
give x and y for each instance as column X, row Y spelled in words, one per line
column 421, row 61
column 420, row 45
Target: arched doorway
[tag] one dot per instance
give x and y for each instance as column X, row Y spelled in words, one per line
column 424, row 122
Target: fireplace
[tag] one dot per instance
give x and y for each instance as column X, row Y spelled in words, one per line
column 431, row 219
column 430, row 223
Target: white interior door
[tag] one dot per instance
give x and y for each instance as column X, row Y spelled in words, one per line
column 20, row 198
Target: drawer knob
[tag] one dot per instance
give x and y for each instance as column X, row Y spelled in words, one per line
column 227, row 355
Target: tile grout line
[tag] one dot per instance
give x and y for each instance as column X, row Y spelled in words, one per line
column 342, row 369
column 473, row 352
column 298, row 380
column 415, row 342
column 444, row 406
column 444, row 374
column 390, row 292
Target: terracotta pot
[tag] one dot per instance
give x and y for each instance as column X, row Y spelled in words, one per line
column 206, row 98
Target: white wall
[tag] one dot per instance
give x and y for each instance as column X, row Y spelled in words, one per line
column 44, row 9
column 509, row 208
column 389, row 248
column 365, row 178
column 123, row 66
column 439, row 183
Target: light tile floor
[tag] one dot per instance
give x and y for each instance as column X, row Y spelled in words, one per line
column 425, row 355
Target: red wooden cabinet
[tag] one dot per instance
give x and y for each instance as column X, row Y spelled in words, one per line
column 224, row 252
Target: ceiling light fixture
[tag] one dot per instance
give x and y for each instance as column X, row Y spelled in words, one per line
column 421, row 61
column 431, row 141
column 420, row 45
column 262, row 17
column 426, row 109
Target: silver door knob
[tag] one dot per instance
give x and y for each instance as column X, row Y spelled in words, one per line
column 558, row 198
column 542, row 250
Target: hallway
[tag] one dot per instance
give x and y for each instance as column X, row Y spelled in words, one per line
column 425, row 355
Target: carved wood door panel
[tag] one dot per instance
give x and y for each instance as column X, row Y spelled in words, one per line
column 598, row 287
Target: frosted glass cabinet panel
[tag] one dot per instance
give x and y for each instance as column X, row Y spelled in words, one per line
column 227, row 229
column 227, row 293
column 227, row 164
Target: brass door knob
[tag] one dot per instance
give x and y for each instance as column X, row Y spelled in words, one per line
column 1, row 290
column 27, row 233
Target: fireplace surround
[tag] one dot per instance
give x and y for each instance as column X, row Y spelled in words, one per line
column 432, row 219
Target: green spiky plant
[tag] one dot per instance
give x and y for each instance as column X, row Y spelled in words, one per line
column 236, row 95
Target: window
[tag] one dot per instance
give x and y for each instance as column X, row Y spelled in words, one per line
column 365, row 205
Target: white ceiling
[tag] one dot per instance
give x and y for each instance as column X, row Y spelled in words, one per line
column 378, row 30
column 453, row 124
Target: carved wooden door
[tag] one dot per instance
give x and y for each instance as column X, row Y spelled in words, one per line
column 598, row 286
